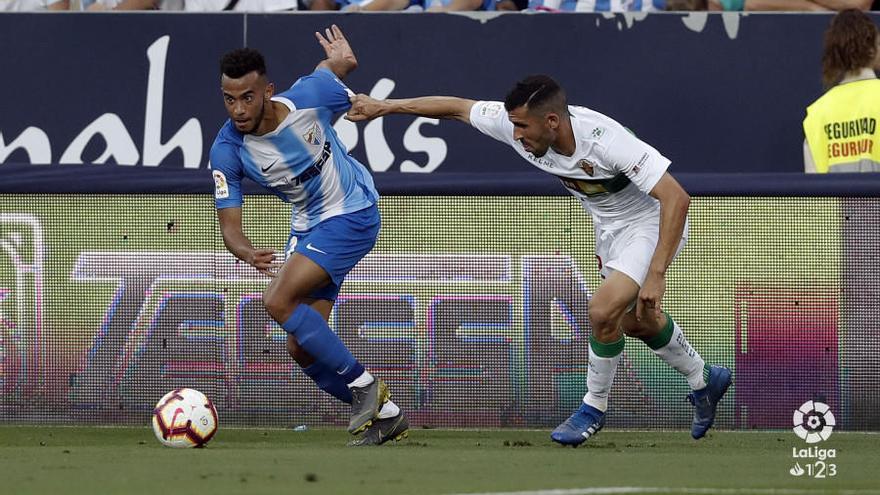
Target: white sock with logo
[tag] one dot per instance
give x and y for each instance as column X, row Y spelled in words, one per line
column 601, row 370
column 672, row 347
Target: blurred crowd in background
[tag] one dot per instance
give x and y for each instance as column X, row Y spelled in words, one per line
column 440, row 5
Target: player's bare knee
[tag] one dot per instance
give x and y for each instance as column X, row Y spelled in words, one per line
column 603, row 319
column 272, row 303
column 278, row 304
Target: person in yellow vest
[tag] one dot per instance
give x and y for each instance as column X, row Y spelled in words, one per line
column 841, row 128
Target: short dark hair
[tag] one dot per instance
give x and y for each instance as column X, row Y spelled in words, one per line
column 242, row 61
column 538, row 92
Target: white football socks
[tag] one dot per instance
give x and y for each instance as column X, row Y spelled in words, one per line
column 600, row 374
column 388, row 410
column 678, row 353
column 362, row 381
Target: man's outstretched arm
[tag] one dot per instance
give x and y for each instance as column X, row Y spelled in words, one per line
column 340, row 57
column 440, row 107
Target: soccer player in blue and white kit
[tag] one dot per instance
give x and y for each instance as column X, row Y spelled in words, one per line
column 286, row 143
column 639, row 214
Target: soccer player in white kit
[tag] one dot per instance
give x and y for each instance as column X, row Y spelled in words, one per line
column 639, row 213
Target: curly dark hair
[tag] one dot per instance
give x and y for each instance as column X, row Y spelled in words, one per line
column 242, row 61
column 850, row 44
column 540, row 93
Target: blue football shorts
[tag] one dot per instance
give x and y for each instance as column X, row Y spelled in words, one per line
column 336, row 245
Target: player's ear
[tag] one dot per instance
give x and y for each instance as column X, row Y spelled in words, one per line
column 552, row 120
column 270, row 90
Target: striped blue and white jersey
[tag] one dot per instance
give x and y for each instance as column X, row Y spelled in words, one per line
column 487, row 5
column 598, row 5
column 302, row 161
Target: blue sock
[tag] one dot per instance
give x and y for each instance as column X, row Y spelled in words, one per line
column 316, row 337
column 328, row 381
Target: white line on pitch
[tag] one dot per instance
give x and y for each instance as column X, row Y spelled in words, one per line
column 623, row 490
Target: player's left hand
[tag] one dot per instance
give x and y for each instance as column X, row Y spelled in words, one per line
column 650, row 295
column 264, row 260
column 363, row 108
column 339, row 52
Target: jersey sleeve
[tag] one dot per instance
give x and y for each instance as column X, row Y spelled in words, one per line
column 320, row 89
column 642, row 164
column 226, row 169
column 490, row 118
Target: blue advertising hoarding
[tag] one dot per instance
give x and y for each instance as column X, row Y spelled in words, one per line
column 128, row 103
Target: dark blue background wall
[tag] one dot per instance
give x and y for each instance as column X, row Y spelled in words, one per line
column 715, row 93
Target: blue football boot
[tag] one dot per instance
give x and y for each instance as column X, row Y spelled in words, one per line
column 580, row 426
column 706, row 400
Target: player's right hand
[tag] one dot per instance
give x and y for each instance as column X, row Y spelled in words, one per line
column 340, row 56
column 363, row 108
column 264, row 261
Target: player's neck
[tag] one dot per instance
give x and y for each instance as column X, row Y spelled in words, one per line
column 273, row 116
column 565, row 143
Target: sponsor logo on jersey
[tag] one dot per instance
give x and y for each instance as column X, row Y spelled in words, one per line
column 598, row 132
column 313, row 135
column 540, row 161
column 586, row 166
column 584, row 187
column 221, row 188
column 638, row 166
column 491, row 110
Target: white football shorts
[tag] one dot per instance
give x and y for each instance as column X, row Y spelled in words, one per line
column 629, row 250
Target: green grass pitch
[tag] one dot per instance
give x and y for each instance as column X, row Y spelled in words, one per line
column 74, row 460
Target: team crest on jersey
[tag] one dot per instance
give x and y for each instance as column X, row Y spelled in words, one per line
column 313, row 135
column 598, row 132
column 221, row 188
column 586, row 166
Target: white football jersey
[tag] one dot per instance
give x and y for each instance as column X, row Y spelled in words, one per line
column 611, row 171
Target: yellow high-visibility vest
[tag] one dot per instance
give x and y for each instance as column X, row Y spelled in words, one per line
column 842, row 128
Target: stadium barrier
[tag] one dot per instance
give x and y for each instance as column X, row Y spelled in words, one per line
column 115, row 285
column 474, row 308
